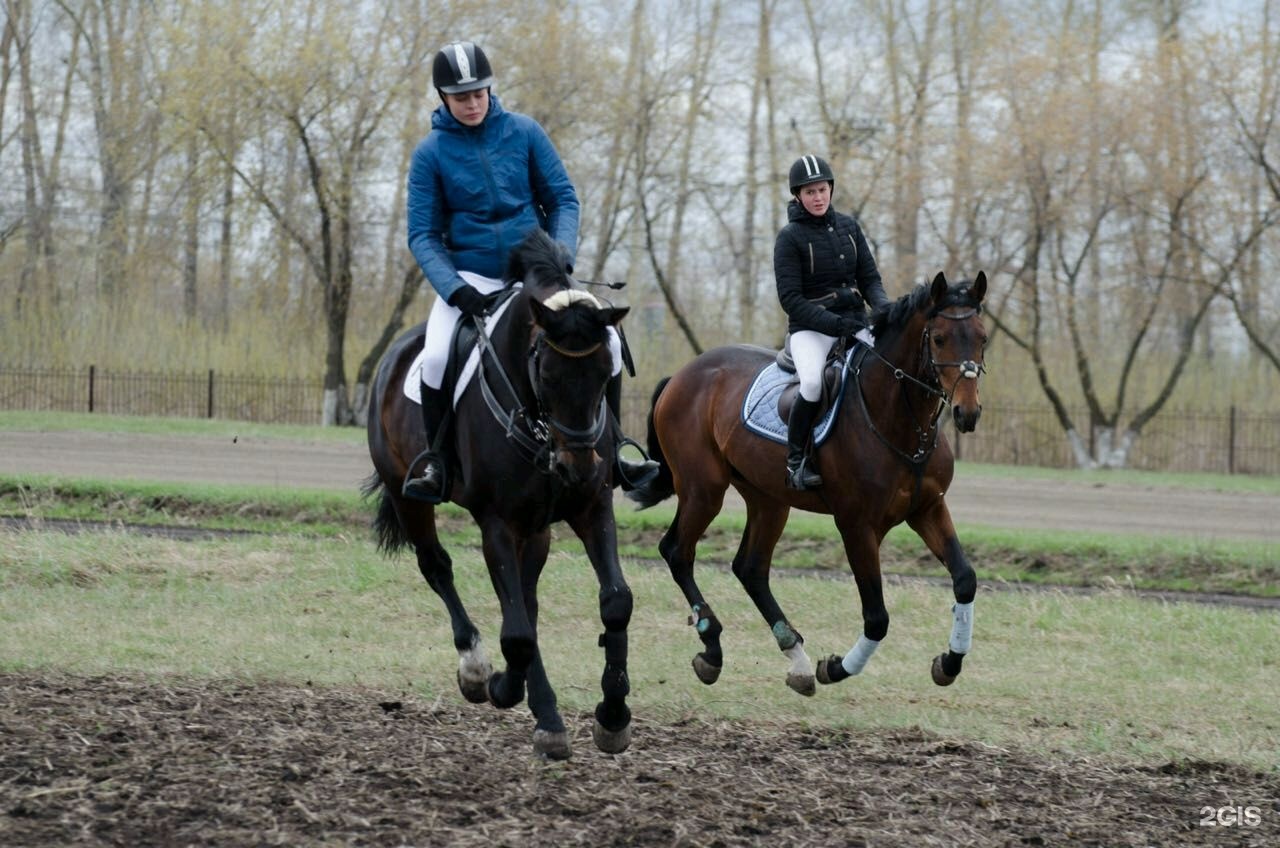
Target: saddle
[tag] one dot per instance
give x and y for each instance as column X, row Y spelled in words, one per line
column 766, row 407
column 832, row 375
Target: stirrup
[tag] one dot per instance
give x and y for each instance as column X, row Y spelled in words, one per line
column 802, row 477
column 428, row 487
column 633, row 475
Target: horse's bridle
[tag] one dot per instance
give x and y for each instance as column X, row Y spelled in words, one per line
column 574, row 439
column 927, row 437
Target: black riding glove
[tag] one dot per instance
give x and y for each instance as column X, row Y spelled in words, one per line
column 470, row 301
column 850, row 324
column 848, row 298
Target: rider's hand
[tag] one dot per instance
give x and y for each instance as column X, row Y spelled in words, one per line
column 848, row 298
column 470, row 301
column 850, row 324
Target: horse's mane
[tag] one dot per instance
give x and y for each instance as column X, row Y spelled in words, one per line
column 894, row 317
column 540, row 262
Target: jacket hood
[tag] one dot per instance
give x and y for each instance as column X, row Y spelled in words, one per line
column 442, row 118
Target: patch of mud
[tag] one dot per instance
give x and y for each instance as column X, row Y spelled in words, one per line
column 120, row 761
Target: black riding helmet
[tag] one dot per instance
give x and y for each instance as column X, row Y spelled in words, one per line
column 810, row 169
column 459, row 67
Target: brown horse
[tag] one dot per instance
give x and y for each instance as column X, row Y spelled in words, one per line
column 886, row 461
column 533, row 447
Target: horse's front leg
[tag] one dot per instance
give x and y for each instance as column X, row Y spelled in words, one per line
column 506, row 688
column 595, row 527
column 935, row 528
column 436, row 566
column 550, row 739
column 863, row 550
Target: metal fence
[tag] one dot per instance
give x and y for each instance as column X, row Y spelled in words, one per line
column 1236, row 442
column 234, row 397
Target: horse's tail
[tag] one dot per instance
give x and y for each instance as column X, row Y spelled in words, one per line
column 662, row 486
column 386, row 524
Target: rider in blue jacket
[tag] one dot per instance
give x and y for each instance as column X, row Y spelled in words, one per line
column 481, row 181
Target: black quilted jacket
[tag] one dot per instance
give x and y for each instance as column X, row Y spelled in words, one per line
column 812, row 258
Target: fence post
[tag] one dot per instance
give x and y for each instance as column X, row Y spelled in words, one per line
column 1231, row 441
column 210, row 406
column 91, row 388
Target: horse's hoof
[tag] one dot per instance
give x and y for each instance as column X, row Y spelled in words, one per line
column 552, row 745
column 830, row 670
column 706, row 672
column 500, row 703
column 611, row 741
column 474, row 689
column 940, row 677
column 802, row 683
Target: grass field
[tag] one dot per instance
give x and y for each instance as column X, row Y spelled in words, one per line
column 1106, row 675
column 307, row 598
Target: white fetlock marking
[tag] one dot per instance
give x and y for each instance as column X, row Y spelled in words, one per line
column 962, row 628
column 473, row 663
column 856, row 659
column 800, row 663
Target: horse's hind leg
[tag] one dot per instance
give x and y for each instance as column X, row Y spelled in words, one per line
column 436, row 566
column 765, row 523
column 678, row 547
column 936, row 529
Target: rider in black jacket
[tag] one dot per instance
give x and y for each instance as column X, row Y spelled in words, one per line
column 826, row 277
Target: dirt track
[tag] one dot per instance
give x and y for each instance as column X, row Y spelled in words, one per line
column 1014, row 504
column 111, row 761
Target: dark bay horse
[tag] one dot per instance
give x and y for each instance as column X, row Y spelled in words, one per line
column 885, row 462
column 533, row 447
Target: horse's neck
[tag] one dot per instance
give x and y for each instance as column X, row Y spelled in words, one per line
column 511, row 345
column 889, row 397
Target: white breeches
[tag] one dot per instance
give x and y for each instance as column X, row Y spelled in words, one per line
column 809, row 350
column 444, row 318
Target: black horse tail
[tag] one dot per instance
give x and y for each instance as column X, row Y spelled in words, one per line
column 387, row 530
column 662, row 486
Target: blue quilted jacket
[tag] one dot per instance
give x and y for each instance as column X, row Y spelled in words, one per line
column 475, row 192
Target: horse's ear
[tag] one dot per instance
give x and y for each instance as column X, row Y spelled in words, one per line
column 613, row 314
column 939, row 288
column 979, row 290
column 540, row 312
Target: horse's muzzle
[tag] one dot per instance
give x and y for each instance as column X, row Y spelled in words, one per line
column 576, row 467
column 966, row 418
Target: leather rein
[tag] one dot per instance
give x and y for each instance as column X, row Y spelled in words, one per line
column 926, row 435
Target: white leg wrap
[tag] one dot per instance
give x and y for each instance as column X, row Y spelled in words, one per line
column 962, row 628
column 800, row 663
column 859, row 654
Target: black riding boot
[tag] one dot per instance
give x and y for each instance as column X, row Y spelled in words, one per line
column 429, row 486
column 799, row 427
column 630, row 475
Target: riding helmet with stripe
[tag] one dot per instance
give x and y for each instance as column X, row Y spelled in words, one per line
column 810, row 169
column 459, row 67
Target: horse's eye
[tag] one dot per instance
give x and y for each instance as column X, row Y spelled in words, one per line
column 940, row 340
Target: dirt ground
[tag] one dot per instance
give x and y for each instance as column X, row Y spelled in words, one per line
column 116, row 761
column 1013, row 504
